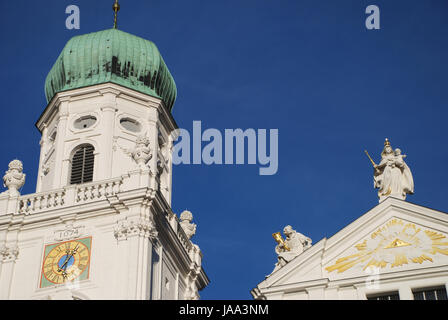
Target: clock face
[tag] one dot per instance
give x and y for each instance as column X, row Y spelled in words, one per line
column 66, row 261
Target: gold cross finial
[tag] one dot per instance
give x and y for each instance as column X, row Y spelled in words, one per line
column 116, row 8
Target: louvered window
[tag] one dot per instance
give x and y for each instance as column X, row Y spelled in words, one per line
column 385, row 296
column 82, row 165
column 430, row 294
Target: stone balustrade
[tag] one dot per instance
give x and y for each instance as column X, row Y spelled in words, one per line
column 183, row 238
column 36, row 202
column 97, row 190
column 68, row 196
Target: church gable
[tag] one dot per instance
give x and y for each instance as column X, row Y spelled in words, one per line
column 393, row 236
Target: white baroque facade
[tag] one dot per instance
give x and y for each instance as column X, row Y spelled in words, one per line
column 115, row 237
column 397, row 250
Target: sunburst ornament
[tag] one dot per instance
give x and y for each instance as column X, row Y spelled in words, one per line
column 396, row 243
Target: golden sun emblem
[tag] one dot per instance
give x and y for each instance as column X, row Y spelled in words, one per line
column 395, row 244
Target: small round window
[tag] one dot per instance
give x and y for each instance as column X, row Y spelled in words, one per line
column 130, row 124
column 84, row 122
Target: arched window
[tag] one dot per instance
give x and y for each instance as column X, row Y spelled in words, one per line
column 82, row 165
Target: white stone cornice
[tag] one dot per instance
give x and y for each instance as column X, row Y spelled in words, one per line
column 358, row 282
column 109, row 90
column 256, row 294
column 101, row 89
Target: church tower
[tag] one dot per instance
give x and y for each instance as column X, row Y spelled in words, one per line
column 100, row 225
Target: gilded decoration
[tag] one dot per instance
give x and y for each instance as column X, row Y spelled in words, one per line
column 394, row 244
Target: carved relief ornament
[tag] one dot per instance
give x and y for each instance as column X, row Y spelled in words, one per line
column 9, row 253
column 131, row 227
column 395, row 244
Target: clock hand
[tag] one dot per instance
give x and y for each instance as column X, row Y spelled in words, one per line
column 64, row 269
column 67, row 258
column 76, row 249
column 69, row 255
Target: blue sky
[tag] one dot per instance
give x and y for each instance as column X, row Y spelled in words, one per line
column 307, row 68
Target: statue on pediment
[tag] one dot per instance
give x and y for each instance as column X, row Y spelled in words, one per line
column 392, row 177
column 294, row 244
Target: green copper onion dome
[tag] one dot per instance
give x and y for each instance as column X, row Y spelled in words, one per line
column 112, row 56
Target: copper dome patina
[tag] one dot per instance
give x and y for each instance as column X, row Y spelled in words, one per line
column 112, row 56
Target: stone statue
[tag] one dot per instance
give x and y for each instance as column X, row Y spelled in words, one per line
column 14, row 178
column 185, row 221
column 142, row 152
column 294, row 245
column 392, row 177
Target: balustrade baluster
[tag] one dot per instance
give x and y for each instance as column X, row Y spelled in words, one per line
column 43, row 201
column 109, row 188
column 116, row 187
column 27, row 205
column 83, row 193
column 96, row 191
column 55, row 200
column 90, row 192
column 78, row 195
column 50, row 200
column 57, row 197
column 61, row 195
column 36, row 203
column 24, row 205
column 102, row 190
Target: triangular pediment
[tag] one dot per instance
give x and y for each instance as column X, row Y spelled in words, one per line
column 393, row 236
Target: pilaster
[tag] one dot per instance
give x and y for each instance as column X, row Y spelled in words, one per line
column 60, row 166
column 9, row 252
column 108, row 109
column 43, row 146
column 135, row 236
column 405, row 293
